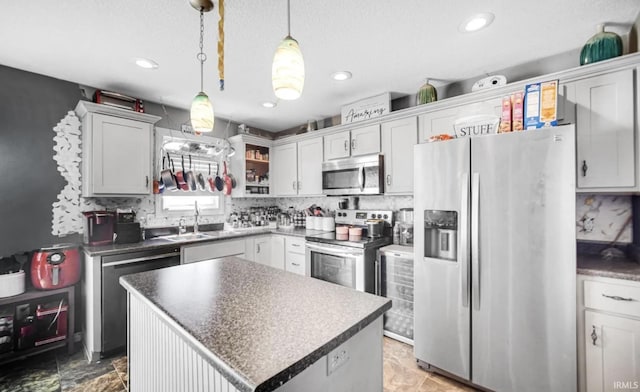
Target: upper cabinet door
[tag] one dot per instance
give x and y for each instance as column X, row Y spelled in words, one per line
column 120, row 162
column 284, row 174
column 436, row 123
column 365, row 140
column 605, row 132
column 310, row 167
column 337, row 145
column 398, row 139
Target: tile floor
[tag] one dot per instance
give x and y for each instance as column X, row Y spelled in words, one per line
column 59, row 372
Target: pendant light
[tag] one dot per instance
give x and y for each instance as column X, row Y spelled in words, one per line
column 201, row 109
column 287, row 72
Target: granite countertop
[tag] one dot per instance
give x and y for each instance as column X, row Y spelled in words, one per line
column 259, row 326
column 617, row 268
column 156, row 243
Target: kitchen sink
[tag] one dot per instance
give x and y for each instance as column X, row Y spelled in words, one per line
column 184, row 237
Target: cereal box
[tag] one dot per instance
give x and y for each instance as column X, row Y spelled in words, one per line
column 516, row 103
column 505, row 118
column 541, row 105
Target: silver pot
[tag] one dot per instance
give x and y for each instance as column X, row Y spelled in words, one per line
column 375, row 227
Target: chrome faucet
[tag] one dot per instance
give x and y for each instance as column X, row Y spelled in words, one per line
column 181, row 226
column 195, row 217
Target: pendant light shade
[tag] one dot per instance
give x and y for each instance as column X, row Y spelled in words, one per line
column 202, row 113
column 287, row 74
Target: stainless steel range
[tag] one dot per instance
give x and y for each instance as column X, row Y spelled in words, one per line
column 348, row 260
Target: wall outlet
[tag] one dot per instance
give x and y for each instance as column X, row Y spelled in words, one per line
column 336, row 358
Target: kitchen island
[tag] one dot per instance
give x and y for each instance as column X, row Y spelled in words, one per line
column 235, row 325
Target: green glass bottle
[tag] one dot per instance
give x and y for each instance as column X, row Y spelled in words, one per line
column 426, row 94
column 602, row 46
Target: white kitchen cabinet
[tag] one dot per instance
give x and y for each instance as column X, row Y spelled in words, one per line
column 251, row 166
column 262, row 250
column 295, row 257
column 116, row 150
column 608, row 333
column 310, row 167
column 358, row 141
column 214, row 250
column 277, row 252
column 605, row 132
column 297, row 168
column 612, row 352
column 285, row 172
column 398, row 139
column 441, row 121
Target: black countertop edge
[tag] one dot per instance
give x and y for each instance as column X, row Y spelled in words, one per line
column 298, row 367
column 237, row 380
column 616, row 268
column 157, row 243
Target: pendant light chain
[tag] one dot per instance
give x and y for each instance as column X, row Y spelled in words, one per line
column 202, row 57
column 221, row 44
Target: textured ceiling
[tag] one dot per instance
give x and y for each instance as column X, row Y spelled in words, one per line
column 387, row 45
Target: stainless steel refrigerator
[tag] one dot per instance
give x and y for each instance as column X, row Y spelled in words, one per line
column 495, row 259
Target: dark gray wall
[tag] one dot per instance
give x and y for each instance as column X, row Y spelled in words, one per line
column 30, row 106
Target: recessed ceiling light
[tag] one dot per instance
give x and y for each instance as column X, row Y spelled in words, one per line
column 341, row 75
column 269, row 104
column 476, row 22
column 146, row 63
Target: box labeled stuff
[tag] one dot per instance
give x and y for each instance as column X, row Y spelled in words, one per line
column 541, row 105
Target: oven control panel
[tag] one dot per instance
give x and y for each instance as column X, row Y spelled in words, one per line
column 359, row 217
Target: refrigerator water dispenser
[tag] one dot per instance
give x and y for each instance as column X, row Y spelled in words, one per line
column 440, row 234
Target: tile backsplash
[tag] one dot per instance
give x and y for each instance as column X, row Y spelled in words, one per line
column 603, row 217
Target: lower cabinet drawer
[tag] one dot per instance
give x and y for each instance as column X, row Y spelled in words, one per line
column 612, row 297
column 213, row 250
column 295, row 263
column 295, row 245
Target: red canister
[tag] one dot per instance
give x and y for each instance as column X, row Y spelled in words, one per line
column 55, row 267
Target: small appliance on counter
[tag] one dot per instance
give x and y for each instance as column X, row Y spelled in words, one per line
column 127, row 231
column 12, row 277
column 98, row 227
column 405, row 226
column 55, row 267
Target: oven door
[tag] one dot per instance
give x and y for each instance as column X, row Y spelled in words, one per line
column 354, row 176
column 341, row 265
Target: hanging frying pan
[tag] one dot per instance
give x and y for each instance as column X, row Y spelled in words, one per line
column 227, row 181
column 158, row 185
column 211, row 183
column 190, row 177
column 167, row 176
column 182, row 181
column 219, row 180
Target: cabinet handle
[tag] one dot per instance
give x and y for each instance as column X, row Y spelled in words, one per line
column 295, row 245
column 388, row 179
column 594, row 335
column 299, row 185
column 584, row 168
column 294, row 185
column 296, row 264
column 146, row 181
column 353, row 144
column 257, row 248
column 617, row 298
column 346, row 145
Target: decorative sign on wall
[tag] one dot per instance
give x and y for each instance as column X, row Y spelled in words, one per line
column 66, row 211
column 366, row 109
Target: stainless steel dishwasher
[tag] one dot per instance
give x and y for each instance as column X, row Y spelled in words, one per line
column 114, row 296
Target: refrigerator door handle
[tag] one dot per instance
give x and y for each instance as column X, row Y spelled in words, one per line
column 464, row 240
column 475, row 255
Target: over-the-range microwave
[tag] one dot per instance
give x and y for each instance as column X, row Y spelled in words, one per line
column 363, row 175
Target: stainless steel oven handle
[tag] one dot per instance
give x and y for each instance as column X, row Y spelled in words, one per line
column 331, row 250
column 377, row 277
column 140, row 259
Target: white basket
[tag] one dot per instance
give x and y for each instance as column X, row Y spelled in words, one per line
column 12, row 284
